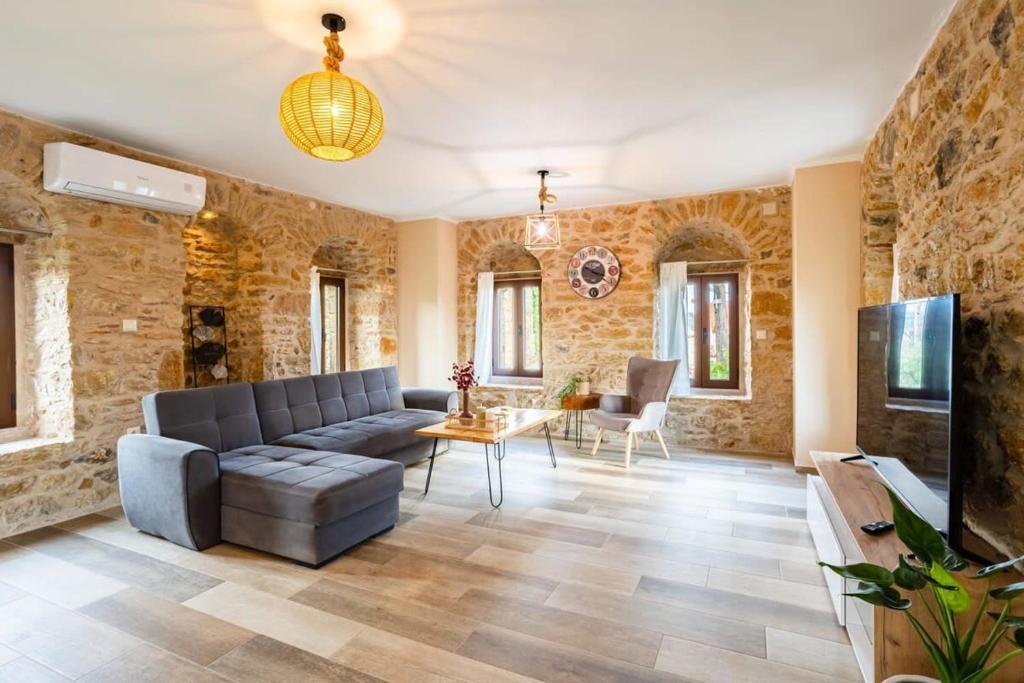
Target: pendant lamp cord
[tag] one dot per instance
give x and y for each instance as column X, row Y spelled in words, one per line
column 542, row 195
column 335, row 55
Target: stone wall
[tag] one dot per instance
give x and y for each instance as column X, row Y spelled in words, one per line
column 598, row 337
column 105, row 263
column 948, row 165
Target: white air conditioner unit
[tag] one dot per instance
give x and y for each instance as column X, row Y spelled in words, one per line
column 90, row 173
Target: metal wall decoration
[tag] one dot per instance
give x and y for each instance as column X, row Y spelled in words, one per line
column 208, row 334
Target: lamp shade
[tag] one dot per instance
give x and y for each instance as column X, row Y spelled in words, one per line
column 330, row 116
column 542, row 232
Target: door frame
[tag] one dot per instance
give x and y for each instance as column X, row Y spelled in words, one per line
column 342, row 285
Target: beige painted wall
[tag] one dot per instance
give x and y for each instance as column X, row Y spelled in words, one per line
column 826, row 295
column 427, row 290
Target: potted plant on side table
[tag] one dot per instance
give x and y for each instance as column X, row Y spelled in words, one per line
column 961, row 652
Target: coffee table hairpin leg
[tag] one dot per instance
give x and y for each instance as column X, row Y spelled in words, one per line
column 430, row 470
column 500, row 449
column 551, row 450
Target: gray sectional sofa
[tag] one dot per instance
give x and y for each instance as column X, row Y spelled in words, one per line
column 303, row 467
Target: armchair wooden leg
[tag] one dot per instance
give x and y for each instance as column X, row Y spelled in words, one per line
column 597, row 440
column 629, row 448
column 664, row 448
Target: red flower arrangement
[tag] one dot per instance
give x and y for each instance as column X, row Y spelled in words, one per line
column 463, row 375
column 464, row 378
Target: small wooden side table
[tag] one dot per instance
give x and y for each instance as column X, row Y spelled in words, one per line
column 578, row 404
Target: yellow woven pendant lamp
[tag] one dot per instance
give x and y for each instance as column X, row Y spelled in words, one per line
column 327, row 114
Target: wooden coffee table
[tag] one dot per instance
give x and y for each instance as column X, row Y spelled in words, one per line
column 495, row 443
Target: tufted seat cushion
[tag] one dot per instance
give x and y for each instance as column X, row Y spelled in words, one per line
column 305, row 486
column 373, row 436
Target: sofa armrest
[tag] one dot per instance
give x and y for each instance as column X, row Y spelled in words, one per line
column 614, row 403
column 170, row 488
column 442, row 400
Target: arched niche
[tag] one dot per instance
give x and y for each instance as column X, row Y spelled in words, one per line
column 506, row 256
column 710, row 245
column 211, row 279
column 366, row 299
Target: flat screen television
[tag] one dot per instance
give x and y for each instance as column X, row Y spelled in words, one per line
column 908, row 368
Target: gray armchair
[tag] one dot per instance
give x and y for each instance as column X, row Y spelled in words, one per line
column 642, row 408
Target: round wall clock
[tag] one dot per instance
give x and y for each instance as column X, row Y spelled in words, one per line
column 594, row 272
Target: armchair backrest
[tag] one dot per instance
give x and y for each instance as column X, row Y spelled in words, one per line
column 648, row 380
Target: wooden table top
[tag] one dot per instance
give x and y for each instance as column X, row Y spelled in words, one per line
column 519, row 420
column 581, row 401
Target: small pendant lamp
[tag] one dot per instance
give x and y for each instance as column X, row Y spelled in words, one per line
column 329, row 115
column 542, row 231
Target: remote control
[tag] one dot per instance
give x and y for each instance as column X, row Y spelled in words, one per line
column 876, row 528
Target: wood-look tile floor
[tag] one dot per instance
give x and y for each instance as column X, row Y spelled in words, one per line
column 696, row 569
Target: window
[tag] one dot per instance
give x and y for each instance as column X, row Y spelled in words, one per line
column 712, row 328
column 332, row 324
column 517, row 329
column 8, row 391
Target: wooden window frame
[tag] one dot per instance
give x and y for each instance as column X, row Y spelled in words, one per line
column 8, row 341
column 339, row 282
column 517, row 285
column 701, row 314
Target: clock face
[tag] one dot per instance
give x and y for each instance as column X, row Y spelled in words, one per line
column 593, row 272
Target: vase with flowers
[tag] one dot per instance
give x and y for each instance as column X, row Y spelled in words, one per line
column 464, row 376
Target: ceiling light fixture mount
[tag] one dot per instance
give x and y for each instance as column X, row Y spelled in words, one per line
column 327, row 114
column 542, row 230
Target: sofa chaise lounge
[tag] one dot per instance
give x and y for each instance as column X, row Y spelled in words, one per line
column 303, row 467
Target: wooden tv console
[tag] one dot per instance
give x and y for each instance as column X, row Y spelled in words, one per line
column 840, row 499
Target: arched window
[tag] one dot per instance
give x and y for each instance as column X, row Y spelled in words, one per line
column 509, row 318
column 700, row 310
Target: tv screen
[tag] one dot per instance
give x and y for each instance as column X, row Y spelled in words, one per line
column 907, row 371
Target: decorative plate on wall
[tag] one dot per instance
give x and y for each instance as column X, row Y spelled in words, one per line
column 594, row 272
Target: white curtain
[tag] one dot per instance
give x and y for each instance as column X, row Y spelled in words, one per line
column 672, row 341
column 484, row 326
column 316, row 324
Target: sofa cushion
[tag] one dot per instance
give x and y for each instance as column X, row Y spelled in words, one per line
column 335, row 438
column 221, row 418
column 286, row 406
column 392, row 430
column 307, row 486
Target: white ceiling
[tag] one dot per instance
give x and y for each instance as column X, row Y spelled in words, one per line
column 634, row 99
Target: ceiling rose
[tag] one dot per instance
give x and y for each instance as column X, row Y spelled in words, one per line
column 380, row 24
column 329, row 115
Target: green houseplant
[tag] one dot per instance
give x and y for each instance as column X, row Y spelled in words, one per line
column 570, row 387
column 961, row 652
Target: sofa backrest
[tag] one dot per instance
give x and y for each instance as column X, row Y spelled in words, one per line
column 221, row 418
column 288, row 406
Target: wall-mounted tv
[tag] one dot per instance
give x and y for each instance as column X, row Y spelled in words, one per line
column 908, row 367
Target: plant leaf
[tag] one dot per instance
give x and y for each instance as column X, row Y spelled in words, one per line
column 910, row 577
column 863, row 571
column 998, row 568
column 882, row 596
column 1011, row 621
column 918, row 535
column 951, row 560
column 1008, row 592
column 949, row 591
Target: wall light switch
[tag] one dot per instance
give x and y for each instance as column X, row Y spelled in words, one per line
column 769, row 209
column 762, row 334
column 130, row 325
